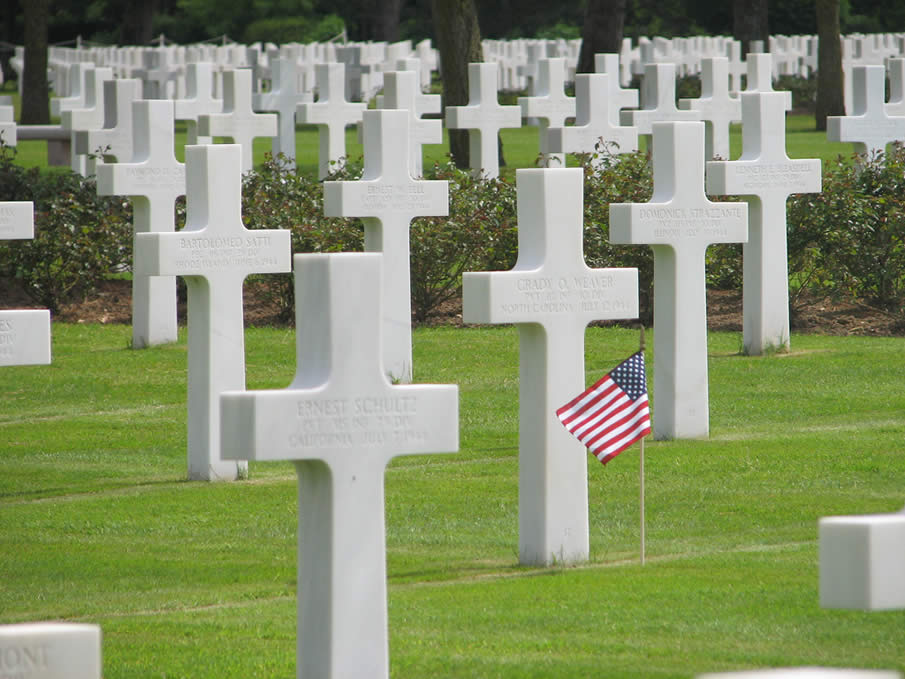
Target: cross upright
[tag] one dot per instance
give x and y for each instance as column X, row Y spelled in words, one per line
column 24, row 333
column 401, row 91
column 869, row 128
column 115, row 138
column 679, row 223
column 340, row 422
column 387, row 198
column 238, row 121
column 199, row 100
column 551, row 295
column 658, row 100
column 619, row 98
column 760, row 76
column 77, row 75
column 153, row 180
column 717, row 106
column 484, row 117
column 592, row 122
column 331, row 113
column 214, row 253
column 283, row 98
column 895, row 70
column 90, row 117
column 549, row 105
column 767, row 177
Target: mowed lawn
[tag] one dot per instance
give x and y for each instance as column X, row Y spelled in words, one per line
column 97, row 523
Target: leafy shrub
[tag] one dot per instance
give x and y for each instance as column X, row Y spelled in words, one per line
column 80, row 237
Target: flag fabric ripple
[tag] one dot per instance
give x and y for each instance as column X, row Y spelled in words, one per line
column 612, row 413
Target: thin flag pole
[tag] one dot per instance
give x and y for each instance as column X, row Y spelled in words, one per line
column 641, row 473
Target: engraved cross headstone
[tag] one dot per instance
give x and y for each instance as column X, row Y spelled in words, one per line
column 331, row 113
column 199, row 100
column 238, row 121
column 869, row 127
column 401, row 91
column 484, row 117
column 115, row 138
column 895, row 71
column 760, row 76
column 214, row 253
column 551, row 295
column 768, row 177
column 90, row 117
column 549, row 105
column 717, row 106
column 658, row 100
column 679, row 223
column 387, row 198
column 50, row 650
column 153, row 180
column 619, row 98
column 340, row 422
column 283, row 98
column 24, row 333
column 592, row 122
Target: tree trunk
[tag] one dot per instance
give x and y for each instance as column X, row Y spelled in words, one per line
column 35, row 91
column 830, row 95
column 602, row 32
column 137, row 27
column 750, row 22
column 458, row 38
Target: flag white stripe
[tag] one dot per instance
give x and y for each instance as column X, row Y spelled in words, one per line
column 618, row 402
column 623, row 420
column 580, row 406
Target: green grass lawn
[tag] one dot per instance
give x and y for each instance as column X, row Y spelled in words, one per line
column 198, row 580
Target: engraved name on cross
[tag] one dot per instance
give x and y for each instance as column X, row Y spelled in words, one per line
column 214, row 253
column 551, row 295
column 679, row 223
column 341, row 422
column 387, row 198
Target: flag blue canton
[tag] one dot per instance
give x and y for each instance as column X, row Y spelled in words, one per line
column 629, row 375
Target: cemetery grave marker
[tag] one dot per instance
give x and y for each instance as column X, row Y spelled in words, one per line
column 549, row 105
column 551, row 295
column 387, row 198
column 199, row 100
column 760, row 76
column 238, row 121
column 283, row 98
column 717, row 106
column 869, row 128
column 679, row 223
column 340, row 422
column 214, row 253
column 401, row 91
column 484, row 117
column 78, row 73
column 50, row 650
column 619, row 98
column 895, row 70
column 658, row 100
column 331, row 113
column 8, row 125
column 24, row 333
column 115, row 138
column 767, row 177
column 592, row 122
column 153, row 181
column 89, row 117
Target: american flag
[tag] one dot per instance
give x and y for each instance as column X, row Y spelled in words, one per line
column 612, row 413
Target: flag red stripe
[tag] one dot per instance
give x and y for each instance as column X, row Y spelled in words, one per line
column 616, row 429
column 603, row 389
column 604, row 410
column 612, row 425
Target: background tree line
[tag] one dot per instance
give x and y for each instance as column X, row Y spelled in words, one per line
column 137, row 22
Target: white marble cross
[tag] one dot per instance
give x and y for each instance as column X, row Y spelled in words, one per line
column 24, row 333
column 238, row 121
column 331, row 113
column 90, row 117
column 283, row 98
column 115, row 138
column 619, row 98
column 717, row 106
column 551, row 295
column 214, row 253
column 484, row 117
column 593, row 125
column 658, row 100
column 679, row 223
column 199, row 100
column 340, row 422
column 8, row 125
column 760, row 76
column 766, row 175
column 549, row 105
column 50, row 650
column 401, row 91
column 75, row 99
column 153, row 180
column 869, row 128
column 387, row 198
column 895, row 71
